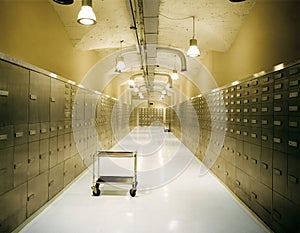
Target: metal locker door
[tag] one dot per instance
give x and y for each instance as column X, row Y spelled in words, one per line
column 239, row 153
column 13, row 208
column 261, row 194
column 261, row 201
column 61, row 102
column 37, row 193
column 74, row 150
column 79, row 102
column 56, row 181
column 293, row 178
column 34, row 97
column 44, row 130
column 280, row 181
column 6, row 136
column 242, row 184
column 246, row 157
column 44, row 155
column 6, row 100
column 19, row 90
column 60, row 148
column 34, row 132
column 78, row 165
column 230, row 175
column 68, row 126
column 44, row 97
column 20, row 134
column 219, row 168
column 57, row 100
column 69, row 171
column 67, row 146
column 53, row 129
column 53, row 100
column 33, row 159
column 254, row 161
column 53, row 152
column 87, row 106
column 285, row 214
column 266, row 166
column 60, row 128
column 6, row 169
column 20, row 164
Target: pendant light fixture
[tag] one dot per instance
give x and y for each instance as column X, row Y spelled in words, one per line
column 174, row 75
column 131, row 83
column 86, row 15
column 120, row 63
column 193, row 49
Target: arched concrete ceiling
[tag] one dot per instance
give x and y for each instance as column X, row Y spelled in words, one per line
column 165, row 23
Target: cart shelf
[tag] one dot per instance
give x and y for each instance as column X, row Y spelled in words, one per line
column 114, row 179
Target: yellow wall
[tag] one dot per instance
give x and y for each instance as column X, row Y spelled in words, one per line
column 270, row 35
column 31, row 31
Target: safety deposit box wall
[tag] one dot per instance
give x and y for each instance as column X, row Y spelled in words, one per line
column 40, row 150
column 259, row 158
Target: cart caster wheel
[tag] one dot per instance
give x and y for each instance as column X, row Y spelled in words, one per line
column 132, row 192
column 96, row 191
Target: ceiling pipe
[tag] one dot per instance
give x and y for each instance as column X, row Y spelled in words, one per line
column 170, row 81
column 162, row 49
column 177, row 52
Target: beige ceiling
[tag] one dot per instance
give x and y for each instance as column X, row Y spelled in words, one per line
column 217, row 23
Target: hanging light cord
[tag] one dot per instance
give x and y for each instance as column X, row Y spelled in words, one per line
column 175, row 62
column 193, row 27
column 121, row 43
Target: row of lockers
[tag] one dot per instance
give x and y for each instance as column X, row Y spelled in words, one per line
column 248, row 135
column 49, row 131
column 148, row 116
column 31, row 97
column 22, row 201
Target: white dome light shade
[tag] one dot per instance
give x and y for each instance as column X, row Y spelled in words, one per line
column 174, row 75
column 193, row 49
column 168, row 86
column 86, row 16
column 131, row 82
column 120, row 64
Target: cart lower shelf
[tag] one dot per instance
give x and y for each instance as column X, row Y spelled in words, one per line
column 115, row 179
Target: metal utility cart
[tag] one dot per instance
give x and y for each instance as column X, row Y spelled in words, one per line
column 114, row 179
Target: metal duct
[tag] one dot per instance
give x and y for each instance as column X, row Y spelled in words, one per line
column 177, row 52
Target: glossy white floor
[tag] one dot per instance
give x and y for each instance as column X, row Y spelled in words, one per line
column 171, row 196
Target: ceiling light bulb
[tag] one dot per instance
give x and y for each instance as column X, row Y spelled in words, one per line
column 120, row 64
column 174, row 75
column 164, row 92
column 193, row 49
column 141, row 95
column 168, row 86
column 131, row 82
column 86, row 15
